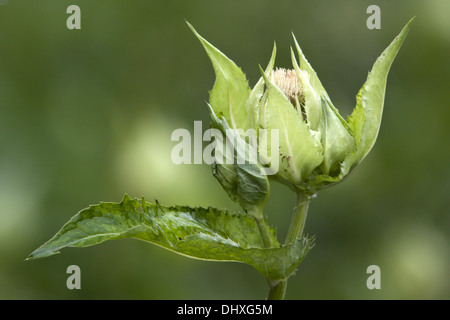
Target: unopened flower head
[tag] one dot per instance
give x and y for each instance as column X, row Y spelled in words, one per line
column 317, row 146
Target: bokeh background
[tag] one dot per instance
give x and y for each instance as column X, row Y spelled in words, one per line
column 87, row 115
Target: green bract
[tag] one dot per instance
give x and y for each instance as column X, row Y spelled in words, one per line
column 317, row 146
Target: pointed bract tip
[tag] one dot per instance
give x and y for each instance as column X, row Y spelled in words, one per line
column 263, row 73
column 406, row 28
column 193, row 30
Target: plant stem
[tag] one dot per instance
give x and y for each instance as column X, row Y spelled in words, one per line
column 298, row 218
column 264, row 232
column 278, row 288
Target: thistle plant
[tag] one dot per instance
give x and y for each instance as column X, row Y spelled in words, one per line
column 315, row 147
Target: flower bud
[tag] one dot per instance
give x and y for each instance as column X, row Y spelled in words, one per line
column 317, row 146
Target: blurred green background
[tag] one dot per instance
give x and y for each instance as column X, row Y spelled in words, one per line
column 87, row 115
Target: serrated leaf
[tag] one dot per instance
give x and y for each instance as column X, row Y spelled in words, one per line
column 365, row 119
column 231, row 90
column 207, row 234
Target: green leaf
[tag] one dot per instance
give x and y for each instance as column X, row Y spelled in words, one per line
column 365, row 120
column 231, row 90
column 207, row 234
column 299, row 147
